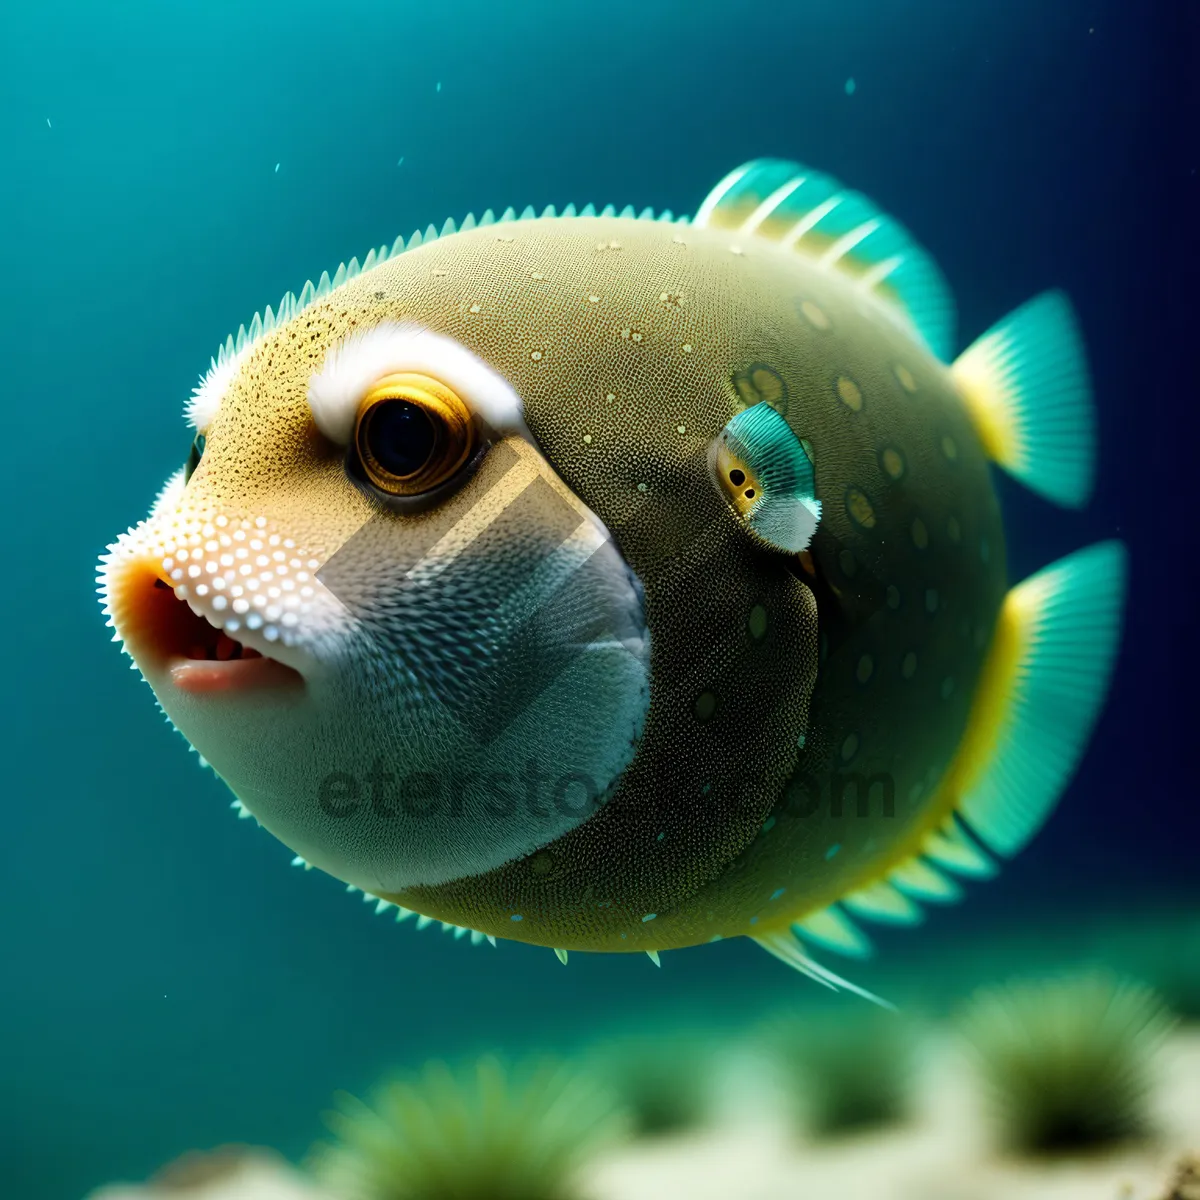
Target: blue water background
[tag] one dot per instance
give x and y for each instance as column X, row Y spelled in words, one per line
column 166, row 980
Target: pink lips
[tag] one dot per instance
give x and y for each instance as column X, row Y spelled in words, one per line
column 162, row 632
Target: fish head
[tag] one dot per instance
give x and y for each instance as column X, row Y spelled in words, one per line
column 373, row 606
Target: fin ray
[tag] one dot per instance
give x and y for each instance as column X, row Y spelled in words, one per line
column 1026, row 386
column 843, row 231
column 1048, row 673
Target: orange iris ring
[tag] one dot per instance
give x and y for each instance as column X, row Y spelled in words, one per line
column 454, row 432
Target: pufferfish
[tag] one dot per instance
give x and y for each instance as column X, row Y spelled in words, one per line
column 615, row 582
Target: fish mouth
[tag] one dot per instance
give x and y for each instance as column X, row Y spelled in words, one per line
column 175, row 642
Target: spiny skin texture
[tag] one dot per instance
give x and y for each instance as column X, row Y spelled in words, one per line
column 631, row 345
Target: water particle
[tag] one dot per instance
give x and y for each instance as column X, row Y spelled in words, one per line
column 516, row 917
column 400, row 161
column 777, row 893
column 276, row 168
column 660, row 837
column 642, row 487
column 850, row 86
column 649, row 917
column 439, row 85
column 768, row 825
column 832, row 850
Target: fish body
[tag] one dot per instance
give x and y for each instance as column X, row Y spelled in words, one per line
column 705, row 628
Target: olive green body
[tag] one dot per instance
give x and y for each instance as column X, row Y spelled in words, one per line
column 803, row 709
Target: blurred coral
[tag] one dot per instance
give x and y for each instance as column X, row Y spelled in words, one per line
column 485, row 1133
column 1067, row 1062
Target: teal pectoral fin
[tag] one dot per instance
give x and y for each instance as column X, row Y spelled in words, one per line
column 764, row 470
column 844, row 232
column 1038, row 698
column 1026, row 385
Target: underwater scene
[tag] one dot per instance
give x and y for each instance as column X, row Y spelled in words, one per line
column 602, row 601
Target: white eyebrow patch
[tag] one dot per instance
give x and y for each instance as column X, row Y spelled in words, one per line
column 353, row 367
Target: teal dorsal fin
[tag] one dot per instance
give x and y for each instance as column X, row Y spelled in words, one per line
column 842, row 230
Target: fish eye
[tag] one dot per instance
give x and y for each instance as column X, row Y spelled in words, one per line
column 194, row 456
column 411, row 434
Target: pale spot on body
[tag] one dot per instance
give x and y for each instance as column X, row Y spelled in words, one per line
column 905, row 376
column 860, row 508
column 949, row 447
column 536, row 356
column 814, row 315
column 687, row 347
column 476, row 308
column 587, row 439
column 893, row 462
column 849, row 393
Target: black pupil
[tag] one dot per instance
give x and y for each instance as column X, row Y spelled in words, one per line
column 400, row 437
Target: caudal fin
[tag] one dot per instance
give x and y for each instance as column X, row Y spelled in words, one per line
column 1026, row 385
